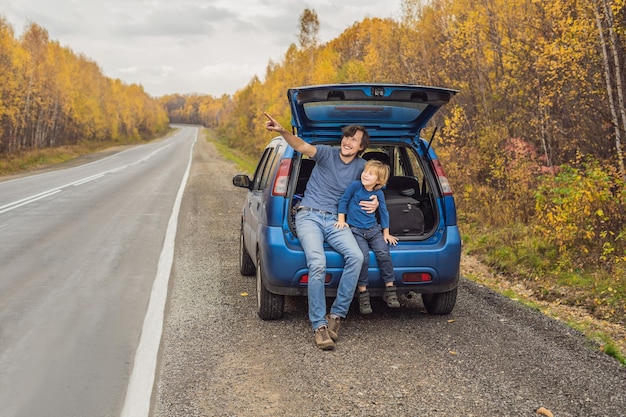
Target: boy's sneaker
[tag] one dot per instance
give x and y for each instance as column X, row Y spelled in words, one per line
column 390, row 297
column 334, row 323
column 322, row 339
column 365, row 307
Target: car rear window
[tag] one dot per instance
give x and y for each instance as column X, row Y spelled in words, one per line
column 360, row 112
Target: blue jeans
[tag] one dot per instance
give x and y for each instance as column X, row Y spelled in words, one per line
column 313, row 229
column 373, row 239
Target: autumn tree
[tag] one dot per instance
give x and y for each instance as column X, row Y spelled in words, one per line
column 309, row 29
column 613, row 64
column 49, row 96
column 12, row 61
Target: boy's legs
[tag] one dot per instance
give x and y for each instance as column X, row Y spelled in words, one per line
column 361, row 240
column 383, row 258
column 310, row 228
column 361, row 236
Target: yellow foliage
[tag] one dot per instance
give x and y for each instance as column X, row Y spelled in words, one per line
column 581, row 212
column 49, row 97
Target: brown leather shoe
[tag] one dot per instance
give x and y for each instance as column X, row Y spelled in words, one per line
column 322, row 338
column 333, row 327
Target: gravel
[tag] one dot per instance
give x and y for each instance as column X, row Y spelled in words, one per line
column 490, row 357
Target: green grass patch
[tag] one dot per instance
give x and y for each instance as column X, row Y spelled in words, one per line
column 245, row 163
column 511, row 250
column 578, row 279
column 606, row 342
column 31, row 160
column 613, row 350
column 522, row 300
column 34, row 159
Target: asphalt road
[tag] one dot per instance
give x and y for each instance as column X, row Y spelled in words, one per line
column 490, row 357
column 79, row 253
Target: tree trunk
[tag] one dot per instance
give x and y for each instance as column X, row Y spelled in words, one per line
column 609, row 82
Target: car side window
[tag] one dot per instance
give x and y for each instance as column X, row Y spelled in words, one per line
column 399, row 168
column 415, row 168
column 269, row 168
column 260, row 169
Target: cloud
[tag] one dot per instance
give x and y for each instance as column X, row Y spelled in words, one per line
column 192, row 46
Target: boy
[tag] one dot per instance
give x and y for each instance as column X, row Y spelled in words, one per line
column 367, row 231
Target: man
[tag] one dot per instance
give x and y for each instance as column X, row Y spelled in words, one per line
column 335, row 168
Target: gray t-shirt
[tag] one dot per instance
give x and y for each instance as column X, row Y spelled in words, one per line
column 330, row 178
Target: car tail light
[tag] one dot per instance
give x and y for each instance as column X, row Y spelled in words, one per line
column 304, row 279
column 446, row 189
column 416, row 277
column 282, row 178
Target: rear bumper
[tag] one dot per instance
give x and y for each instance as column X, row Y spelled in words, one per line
column 285, row 264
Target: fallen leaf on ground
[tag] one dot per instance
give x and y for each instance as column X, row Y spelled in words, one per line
column 544, row 412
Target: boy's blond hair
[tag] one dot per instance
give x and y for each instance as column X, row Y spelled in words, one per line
column 381, row 170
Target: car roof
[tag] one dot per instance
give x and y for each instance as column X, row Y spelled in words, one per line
column 391, row 111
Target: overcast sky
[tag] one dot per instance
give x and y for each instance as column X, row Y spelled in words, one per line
column 186, row 46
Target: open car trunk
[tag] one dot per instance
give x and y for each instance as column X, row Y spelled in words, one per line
column 410, row 195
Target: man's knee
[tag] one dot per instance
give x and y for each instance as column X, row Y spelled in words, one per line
column 354, row 256
column 316, row 270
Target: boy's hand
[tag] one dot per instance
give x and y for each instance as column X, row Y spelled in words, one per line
column 391, row 240
column 341, row 225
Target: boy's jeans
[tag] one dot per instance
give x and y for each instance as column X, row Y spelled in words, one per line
column 313, row 228
column 373, row 239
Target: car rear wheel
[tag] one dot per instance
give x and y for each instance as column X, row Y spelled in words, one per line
column 246, row 266
column 270, row 306
column 441, row 303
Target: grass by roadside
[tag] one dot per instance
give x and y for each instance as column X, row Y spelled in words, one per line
column 37, row 159
column 244, row 163
column 32, row 160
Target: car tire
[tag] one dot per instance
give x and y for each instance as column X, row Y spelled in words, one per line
column 246, row 265
column 441, row 303
column 270, row 306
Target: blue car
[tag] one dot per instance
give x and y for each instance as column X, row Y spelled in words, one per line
column 419, row 198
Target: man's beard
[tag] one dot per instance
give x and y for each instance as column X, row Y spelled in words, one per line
column 348, row 153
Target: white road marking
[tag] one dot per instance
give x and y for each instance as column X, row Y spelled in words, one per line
column 89, row 179
column 28, row 200
column 31, row 199
column 141, row 384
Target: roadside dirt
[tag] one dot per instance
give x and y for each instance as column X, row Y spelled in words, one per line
column 592, row 327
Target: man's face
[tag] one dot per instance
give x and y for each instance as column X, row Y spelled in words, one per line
column 351, row 145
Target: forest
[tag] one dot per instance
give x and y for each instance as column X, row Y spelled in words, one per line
column 52, row 97
column 532, row 144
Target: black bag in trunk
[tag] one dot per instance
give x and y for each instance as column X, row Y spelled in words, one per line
column 405, row 215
